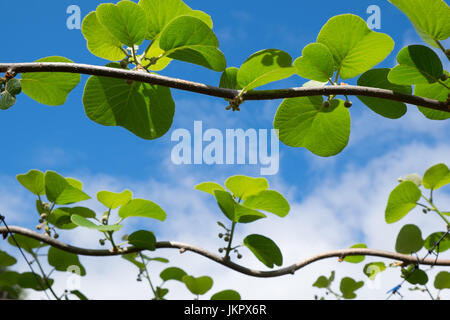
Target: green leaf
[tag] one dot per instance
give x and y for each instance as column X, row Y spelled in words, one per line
column 229, row 79
column 50, row 88
column 161, row 13
column 29, row 280
column 143, row 240
column 442, row 280
column 79, row 295
column 243, row 187
column 198, row 286
column 59, row 191
column 83, row 222
column 75, row 183
column 189, row 39
column 13, row 86
column 156, row 52
column 64, row 261
column 60, row 217
column 355, row 48
column 417, row 65
column 303, row 122
column 227, row 295
column 27, row 244
column 434, row 24
column 415, row 277
column 131, row 257
column 433, row 239
column 433, row 91
column 226, row 203
column 114, row 200
column 144, row 109
column 126, row 21
column 321, row 282
column 378, row 78
column 316, row 63
column 264, row 249
column 161, row 293
column 209, row 187
column 436, row 177
column 247, row 215
column 264, row 67
column 9, row 278
column 356, row 259
column 142, row 208
column 34, row 181
column 6, row 260
column 7, row 100
column 173, row 273
column 401, row 201
column 100, row 41
column 372, row 269
column 349, row 286
column 270, row 201
column 409, row 239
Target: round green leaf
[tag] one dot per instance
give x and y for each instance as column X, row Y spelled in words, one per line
column 126, row 21
column 417, row 65
column 191, row 40
column 114, row 200
column 436, row 177
column 9, row 278
column 303, row 122
column 75, row 183
column 434, row 25
column 263, row 67
column 401, row 201
column 415, row 277
column 243, row 187
column 6, row 260
column 433, row 91
column 442, row 280
column 7, row 100
column 372, row 269
column 34, row 281
column 432, row 240
column 209, row 187
column 83, row 222
column 198, row 286
column 144, row 109
column 377, row 78
column 28, row 244
column 322, row 282
column 100, row 41
column 349, row 286
column 160, row 13
column 64, row 261
column 226, row 203
column 316, row 63
column 34, row 181
column 173, row 273
column 409, row 239
column 50, row 88
column 131, row 257
column 60, row 217
column 270, row 201
column 355, row 48
column 356, row 259
column 143, row 240
column 247, row 215
column 59, row 191
column 226, row 295
column 13, row 86
column 264, row 249
column 142, row 208
column 229, row 79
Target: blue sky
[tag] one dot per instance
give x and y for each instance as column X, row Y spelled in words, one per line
column 336, row 189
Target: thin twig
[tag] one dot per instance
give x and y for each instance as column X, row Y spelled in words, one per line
column 222, row 92
column 254, row 273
